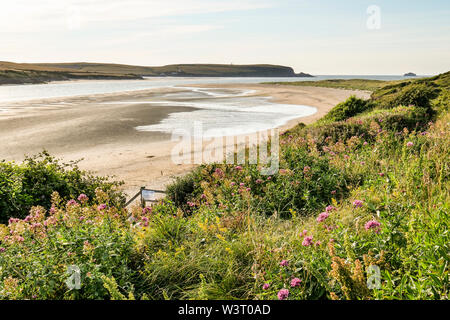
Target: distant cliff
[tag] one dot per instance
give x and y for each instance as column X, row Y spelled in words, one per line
column 15, row 73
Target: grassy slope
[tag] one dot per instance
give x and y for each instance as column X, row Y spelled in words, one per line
column 219, row 239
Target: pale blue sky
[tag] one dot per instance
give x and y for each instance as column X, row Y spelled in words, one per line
column 315, row 36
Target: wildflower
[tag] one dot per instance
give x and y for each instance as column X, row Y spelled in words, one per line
column 242, row 184
column 2, row 249
column 283, row 294
column 333, row 192
column 358, row 203
column 365, row 143
column 373, row 224
column 409, row 144
column 101, row 207
column 203, row 196
column 307, row 241
column 330, row 208
column 83, row 198
column 238, row 168
column 269, row 178
column 284, row 263
column 249, row 189
column 71, row 203
column 265, row 286
column 381, row 174
column 295, row 282
column 190, row 204
column 259, row 181
column 306, row 169
column 233, row 183
column 304, row 232
column 146, row 210
column 52, row 210
column 318, row 243
column 322, row 216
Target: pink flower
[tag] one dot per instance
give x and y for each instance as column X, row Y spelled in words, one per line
column 101, row 207
column 238, row 168
column 318, row 243
column 409, row 144
column 147, row 210
column 365, row 143
column 333, row 192
column 330, row 208
column 322, row 216
column 72, row 203
column 306, row 169
column 284, row 263
column 233, row 183
column 2, row 249
column 295, row 282
column 358, row 203
column 373, row 224
column 258, row 181
column 307, row 241
column 283, row 294
column 265, row 286
column 242, row 184
column 304, row 233
column 83, row 198
column 381, row 174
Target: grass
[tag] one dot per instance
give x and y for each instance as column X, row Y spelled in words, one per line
column 352, row 84
column 359, row 200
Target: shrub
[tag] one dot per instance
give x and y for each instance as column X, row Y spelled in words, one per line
column 32, row 183
column 349, row 108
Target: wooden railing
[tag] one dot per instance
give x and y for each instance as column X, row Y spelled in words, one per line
column 147, row 195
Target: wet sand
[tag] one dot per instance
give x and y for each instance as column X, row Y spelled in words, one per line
column 103, row 133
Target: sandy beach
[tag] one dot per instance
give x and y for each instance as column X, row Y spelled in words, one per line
column 101, row 129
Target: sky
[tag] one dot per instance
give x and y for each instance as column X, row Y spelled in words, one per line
column 315, row 36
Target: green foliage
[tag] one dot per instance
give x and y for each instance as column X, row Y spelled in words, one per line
column 370, row 191
column 349, row 108
column 32, row 183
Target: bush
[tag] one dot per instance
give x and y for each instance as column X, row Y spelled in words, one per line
column 181, row 191
column 349, row 108
column 32, row 183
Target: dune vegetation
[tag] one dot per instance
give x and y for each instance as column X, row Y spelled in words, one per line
column 358, row 210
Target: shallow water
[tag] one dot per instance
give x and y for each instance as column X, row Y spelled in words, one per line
column 9, row 93
column 216, row 112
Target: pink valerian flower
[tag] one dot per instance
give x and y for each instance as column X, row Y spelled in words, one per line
column 145, row 221
column 283, row 294
column 373, row 224
column 83, row 198
column 330, row 208
column 242, row 184
column 203, row 196
column 102, row 207
column 258, row 181
column 71, row 203
column 295, row 282
column 233, row 183
column 322, row 216
column 52, row 210
column 381, row 174
column 219, row 172
column 147, row 210
column 190, row 204
column 238, row 168
column 409, row 144
column 318, row 243
column 358, row 203
column 307, row 241
column 365, row 143
column 304, row 233
column 269, row 178
column 265, row 286
column 2, row 249
column 248, row 189
column 284, row 263
column 333, row 192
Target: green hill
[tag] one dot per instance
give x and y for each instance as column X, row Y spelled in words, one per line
column 15, row 73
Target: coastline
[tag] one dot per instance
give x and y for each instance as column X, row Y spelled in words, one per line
column 73, row 128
